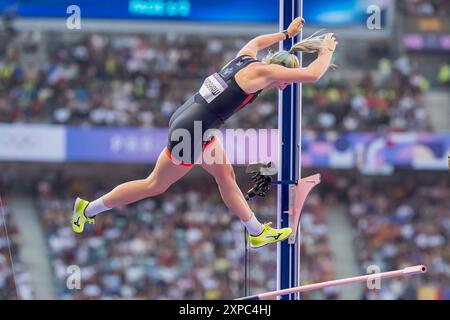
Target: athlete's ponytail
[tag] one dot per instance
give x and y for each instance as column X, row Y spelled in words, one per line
column 314, row 43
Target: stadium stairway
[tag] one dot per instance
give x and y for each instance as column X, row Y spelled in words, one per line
column 33, row 246
column 340, row 236
column 439, row 108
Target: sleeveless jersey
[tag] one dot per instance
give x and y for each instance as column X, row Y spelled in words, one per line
column 220, row 92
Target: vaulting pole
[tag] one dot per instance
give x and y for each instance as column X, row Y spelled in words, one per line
column 409, row 271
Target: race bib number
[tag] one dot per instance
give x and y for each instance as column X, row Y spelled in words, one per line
column 212, row 87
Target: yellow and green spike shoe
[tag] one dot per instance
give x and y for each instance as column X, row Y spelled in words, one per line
column 78, row 216
column 268, row 235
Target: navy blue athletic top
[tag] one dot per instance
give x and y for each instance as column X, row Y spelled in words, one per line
column 220, row 92
column 218, row 99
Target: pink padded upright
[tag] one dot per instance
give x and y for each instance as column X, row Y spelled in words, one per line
column 301, row 191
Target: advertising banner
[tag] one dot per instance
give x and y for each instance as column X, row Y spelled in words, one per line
column 32, row 143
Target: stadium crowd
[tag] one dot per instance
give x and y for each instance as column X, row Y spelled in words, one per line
column 424, row 7
column 125, row 80
column 182, row 245
column 15, row 280
column 185, row 244
column 400, row 221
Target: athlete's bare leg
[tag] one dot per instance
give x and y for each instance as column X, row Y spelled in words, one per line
column 162, row 177
column 223, row 173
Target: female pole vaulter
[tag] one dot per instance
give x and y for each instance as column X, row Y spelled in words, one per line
column 222, row 95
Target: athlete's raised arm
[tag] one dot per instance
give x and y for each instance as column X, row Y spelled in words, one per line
column 266, row 40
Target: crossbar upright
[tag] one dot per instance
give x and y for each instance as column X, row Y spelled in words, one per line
column 289, row 130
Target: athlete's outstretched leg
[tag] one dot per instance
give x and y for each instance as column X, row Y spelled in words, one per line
column 162, row 177
column 223, row 173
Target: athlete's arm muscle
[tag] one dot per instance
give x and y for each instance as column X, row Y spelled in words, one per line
column 311, row 73
column 256, row 44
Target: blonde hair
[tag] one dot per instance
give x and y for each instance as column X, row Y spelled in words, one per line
column 312, row 44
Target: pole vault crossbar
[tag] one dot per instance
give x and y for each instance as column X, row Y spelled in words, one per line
column 409, row 271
